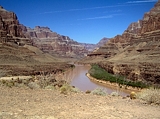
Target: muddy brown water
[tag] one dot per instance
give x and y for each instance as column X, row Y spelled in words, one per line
column 81, row 81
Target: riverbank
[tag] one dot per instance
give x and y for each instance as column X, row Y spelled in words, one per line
column 127, row 89
column 42, row 81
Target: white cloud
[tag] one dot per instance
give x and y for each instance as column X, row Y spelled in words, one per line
column 102, row 7
column 81, row 9
column 141, row 1
column 113, row 11
column 100, row 17
column 51, row 12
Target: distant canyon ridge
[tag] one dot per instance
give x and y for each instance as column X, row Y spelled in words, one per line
column 56, row 44
column 135, row 54
column 42, row 37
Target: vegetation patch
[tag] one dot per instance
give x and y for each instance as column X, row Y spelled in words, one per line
column 150, row 96
column 101, row 74
column 75, row 90
column 33, row 85
column 66, row 88
column 99, row 91
column 114, row 94
column 37, row 82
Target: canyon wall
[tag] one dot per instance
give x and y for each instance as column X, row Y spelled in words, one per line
column 54, row 43
column 10, row 29
column 136, row 53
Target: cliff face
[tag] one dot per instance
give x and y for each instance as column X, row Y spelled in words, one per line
column 41, row 37
column 17, row 55
column 10, row 29
column 136, row 53
column 102, row 42
column 53, row 43
column 151, row 20
column 117, row 44
column 10, row 23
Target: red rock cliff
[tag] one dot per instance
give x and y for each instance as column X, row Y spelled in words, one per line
column 10, row 23
column 54, row 43
column 136, row 53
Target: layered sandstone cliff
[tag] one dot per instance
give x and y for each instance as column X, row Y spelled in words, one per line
column 10, row 23
column 18, row 56
column 53, row 43
column 42, row 37
column 136, row 53
column 117, row 44
column 10, row 29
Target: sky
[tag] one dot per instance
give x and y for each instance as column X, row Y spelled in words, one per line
column 85, row 21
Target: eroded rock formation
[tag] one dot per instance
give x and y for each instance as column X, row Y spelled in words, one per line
column 136, row 53
column 53, row 43
column 10, row 29
column 42, row 37
column 10, row 23
column 18, row 56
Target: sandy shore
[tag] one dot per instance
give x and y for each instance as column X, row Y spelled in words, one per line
column 113, row 85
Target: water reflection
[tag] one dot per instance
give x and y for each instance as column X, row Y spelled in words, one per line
column 81, row 81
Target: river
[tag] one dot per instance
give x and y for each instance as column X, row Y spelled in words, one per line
column 79, row 79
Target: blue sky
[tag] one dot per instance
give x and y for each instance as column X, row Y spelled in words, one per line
column 85, row 21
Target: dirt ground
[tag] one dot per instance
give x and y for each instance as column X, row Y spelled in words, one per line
column 21, row 103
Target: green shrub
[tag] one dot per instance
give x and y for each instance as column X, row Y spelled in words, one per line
column 33, row 85
column 50, row 87
column 25, row 81
column 10, row 84
column 114, row 94
column 21, row 85
column 75, row 90
column 101, row 74
column 99, row 91
column 150, row 96
column 3, row 82
column 65, row 89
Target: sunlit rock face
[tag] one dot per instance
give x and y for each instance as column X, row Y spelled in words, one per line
column 18, row 56
column 42, row 37
column 9, row 23
column 136, row 53
column 54, row 43
column 151, row 20
column 10, row 29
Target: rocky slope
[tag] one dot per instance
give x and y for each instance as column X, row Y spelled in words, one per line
column 89, row 47
column 118, row 43
column 102, row 42
column 42, row 37
column 92, row 47
column 53, row 43
column 136, row 53
column 17, row 55
column 59, row 45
